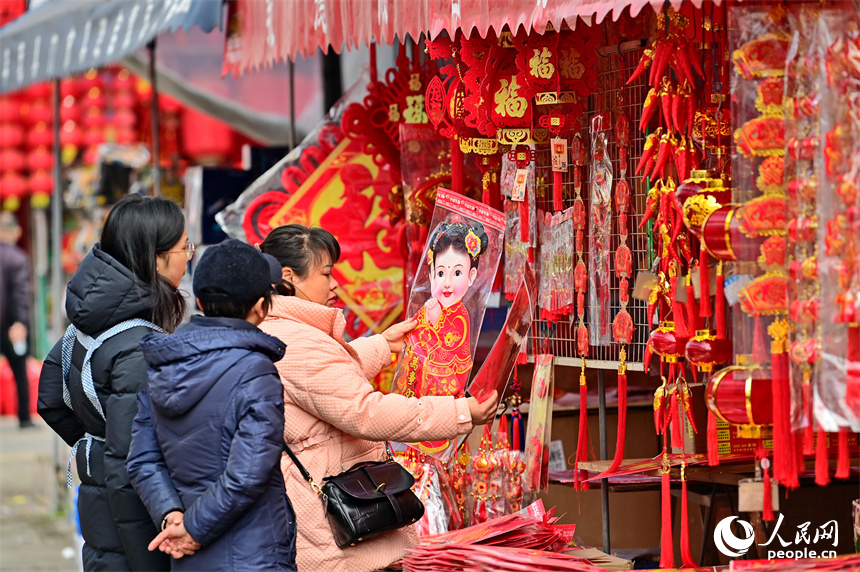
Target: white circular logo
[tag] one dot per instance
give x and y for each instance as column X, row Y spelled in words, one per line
column 728, row 543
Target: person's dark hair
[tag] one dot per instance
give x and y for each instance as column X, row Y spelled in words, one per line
column 300, row 249
column 457, row 236
column 234, row 309
column 137, row 230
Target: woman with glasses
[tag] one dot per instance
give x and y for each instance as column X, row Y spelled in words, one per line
column 125, row 288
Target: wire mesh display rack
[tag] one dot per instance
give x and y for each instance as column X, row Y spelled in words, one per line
column 558, row 338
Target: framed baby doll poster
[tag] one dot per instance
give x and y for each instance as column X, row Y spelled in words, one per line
column 448, row 299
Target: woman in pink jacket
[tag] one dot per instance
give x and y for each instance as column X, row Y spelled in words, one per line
column 333, row 417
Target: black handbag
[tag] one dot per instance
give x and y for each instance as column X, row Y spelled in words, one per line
column 368, row 499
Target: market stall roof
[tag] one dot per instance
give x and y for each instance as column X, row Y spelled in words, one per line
column 62, row 37
column 273, row 31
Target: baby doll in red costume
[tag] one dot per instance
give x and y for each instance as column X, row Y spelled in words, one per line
column 437, row 354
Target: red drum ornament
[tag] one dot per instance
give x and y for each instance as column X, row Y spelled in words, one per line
column 738, row 398
column 724, row 240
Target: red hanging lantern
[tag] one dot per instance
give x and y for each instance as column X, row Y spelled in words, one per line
column 124, row 80
column 39, row 159
column 70, row 134
column 39, row 91
column 40, row 136
column 124, row 118
column 705, row 350
column 70, row 87
column 39, row 111
column 94, row 136
column 13, row 187
column 91, row 79
column 94, row 98
column 11, row 159
column 69, row 109
column 10, row 110
column 124, row 99
column 41, row 186
column 94, row 117
column 126, row 135
column 664, row 341
column 11, row 135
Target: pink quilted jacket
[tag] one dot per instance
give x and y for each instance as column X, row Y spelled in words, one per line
column 334, row 419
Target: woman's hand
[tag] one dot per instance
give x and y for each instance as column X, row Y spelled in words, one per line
column 432, row 311
column 485, row 411
column 174, row 539
column 395, row 334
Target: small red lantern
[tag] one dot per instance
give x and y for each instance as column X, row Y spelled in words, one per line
column 11, row 135
column 41, row 186
column 40, row 136
column 94, row 136
column 126, row 135
column 70, row 87
column 704, row 350
column 124, row 118
column 40, row 159
column 39, row 91
column 13, row 187
column 39, row 112
column 69, row 109
column 10, row 110
column 666, row 343
column 124, row 99
column 93, row 118
column 70, row 134
column 94, row 98
column 123, row 80
column 92, row 79
column 11, row 159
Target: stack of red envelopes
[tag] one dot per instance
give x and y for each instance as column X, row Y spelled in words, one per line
column 484, row 558
column 512, row 542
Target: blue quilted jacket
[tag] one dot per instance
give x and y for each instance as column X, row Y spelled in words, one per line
column 207, row 439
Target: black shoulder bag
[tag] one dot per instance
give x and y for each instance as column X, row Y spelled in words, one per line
column 370, row 498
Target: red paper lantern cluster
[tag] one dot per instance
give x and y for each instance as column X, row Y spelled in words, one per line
column 25, row 147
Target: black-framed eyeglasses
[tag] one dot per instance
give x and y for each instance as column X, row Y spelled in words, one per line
column 188, row 250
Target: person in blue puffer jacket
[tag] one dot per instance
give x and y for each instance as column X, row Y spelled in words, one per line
column 207, row 439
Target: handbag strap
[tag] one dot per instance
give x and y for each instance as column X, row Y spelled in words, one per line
column 305, row 474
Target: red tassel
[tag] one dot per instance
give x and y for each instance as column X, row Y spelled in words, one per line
column 502, row 440
column 767, row 499
column 822, row 476
column 852, row 374
column 720, row 303
column 759, row 349
column 808, row 440
column 486, row 196
column 582, row 441
column 622, row 425
column 557, row 189
column 667, row 556
column 524, row 218
column 692, row 315
column 713, row 443
column 843, row 465
column 458, row 179
column 675, row 419
column 686, row 555
column 681, row 331
column 704, row 283
column 784, row 462
column 808, row 432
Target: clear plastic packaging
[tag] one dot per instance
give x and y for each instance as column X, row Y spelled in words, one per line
column 539, row 430
column 448, row 299
column 600, row 233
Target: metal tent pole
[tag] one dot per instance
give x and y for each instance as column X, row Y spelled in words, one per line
column 292, row 70
column 153, row 109
column 604, row 454
column 60, row 494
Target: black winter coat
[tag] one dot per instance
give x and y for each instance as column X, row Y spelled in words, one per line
column 115, row 525
column 207, row 439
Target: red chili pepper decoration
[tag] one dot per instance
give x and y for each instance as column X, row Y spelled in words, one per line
column 644, row 63
column 683, row 68
column 666, row 94
column 661, row 60
column 650, row 208
column 662, row 157
column 649, row 107
column 649, row 149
